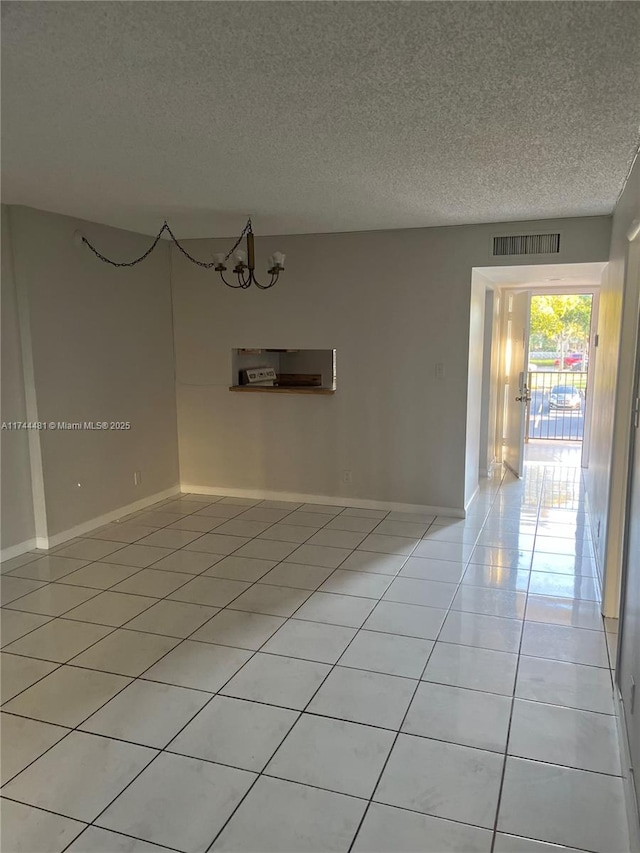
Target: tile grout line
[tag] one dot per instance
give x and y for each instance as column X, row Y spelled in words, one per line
column 511, row 710
column 85, row 825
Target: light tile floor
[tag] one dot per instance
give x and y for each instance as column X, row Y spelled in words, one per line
column 223, row 674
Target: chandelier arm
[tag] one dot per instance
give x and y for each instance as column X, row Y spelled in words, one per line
column 261, row 286
column 228, row 283
column 274, row 278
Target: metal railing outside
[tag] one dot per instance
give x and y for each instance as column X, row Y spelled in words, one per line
column 557, row 407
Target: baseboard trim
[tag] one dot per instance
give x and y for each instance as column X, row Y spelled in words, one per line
column 627, row 778
column 17, row 550
column 57, row 539
column 326, row 500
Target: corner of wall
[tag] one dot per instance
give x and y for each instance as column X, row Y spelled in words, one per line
column 18, row 531
column 94, row 344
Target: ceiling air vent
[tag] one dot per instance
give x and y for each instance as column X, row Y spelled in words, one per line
column 526, row 244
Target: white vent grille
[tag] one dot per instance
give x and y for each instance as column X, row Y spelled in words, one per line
column 526, row 244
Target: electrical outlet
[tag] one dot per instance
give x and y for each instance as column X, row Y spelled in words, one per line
column 347, row 477
column 440, row 370
column 137, row 478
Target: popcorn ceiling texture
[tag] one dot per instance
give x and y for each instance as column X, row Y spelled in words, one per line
column 318, row 116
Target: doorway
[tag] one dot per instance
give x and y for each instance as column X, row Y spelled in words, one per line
column 546, row 338
column 516, row 406
column 559, row 406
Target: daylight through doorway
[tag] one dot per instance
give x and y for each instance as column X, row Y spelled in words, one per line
column 559, row 336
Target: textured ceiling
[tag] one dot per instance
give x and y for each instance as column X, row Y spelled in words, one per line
column 318, row 116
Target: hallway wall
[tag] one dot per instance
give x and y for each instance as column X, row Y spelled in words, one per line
column 613, row 381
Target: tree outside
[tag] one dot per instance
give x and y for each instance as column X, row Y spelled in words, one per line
column 559, row 329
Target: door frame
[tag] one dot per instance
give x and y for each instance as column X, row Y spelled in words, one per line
column 493, row 413
column 540, row 290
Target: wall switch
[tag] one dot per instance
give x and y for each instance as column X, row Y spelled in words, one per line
column 137, row 478
column 347, row 477
column 440, row 370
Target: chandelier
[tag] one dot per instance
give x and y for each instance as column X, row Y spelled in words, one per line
column 244, row 259
column 245, row 263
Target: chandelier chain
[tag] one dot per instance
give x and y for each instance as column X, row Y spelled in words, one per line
column 204, row 264
column 246, row 230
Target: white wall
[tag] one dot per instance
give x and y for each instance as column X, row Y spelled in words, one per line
column 16, row 507
column 99, row 348
column 392, row 304
column 613, row 382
